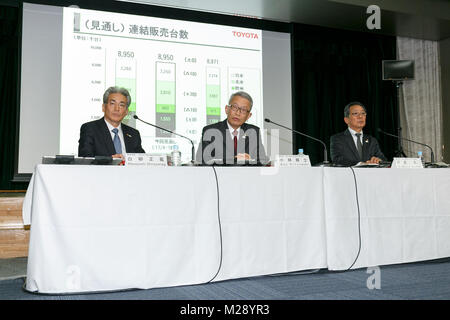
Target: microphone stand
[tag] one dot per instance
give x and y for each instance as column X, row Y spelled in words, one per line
column 325, row 154
column 400, row 138
column 399, row 152
column 154, row 125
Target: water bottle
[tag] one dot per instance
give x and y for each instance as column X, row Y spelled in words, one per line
column 176, row 156
column 420, row 155
column 300, row 152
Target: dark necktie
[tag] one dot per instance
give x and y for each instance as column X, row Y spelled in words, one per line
column 117, row 144
column 235, row 133
column 359, row 144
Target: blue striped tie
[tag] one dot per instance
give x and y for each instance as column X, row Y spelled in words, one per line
column 117, row 144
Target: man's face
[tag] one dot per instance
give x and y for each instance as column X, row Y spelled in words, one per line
column 238, row 111
column 357, row 118
column 116, row 108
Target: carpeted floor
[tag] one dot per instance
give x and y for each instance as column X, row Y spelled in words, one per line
column 13, row 268
column 423, row 281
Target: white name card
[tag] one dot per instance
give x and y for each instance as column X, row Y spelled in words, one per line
column 298, row 160
column 406, row 163
column 145, row 159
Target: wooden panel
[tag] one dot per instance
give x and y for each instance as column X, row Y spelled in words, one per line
column 14, row 243
column 11, row 212
column 14, row 236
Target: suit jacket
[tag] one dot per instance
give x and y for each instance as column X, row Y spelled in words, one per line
column 344, row 152
column 95, row 140
column 216, row 143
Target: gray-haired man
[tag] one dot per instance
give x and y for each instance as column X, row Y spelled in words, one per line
column 232, row 140
column 108, row 136
column 352, row 146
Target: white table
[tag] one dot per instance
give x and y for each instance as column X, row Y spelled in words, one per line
column 96, row 228
column 405, row 216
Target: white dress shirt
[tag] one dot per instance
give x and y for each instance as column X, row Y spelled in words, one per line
column 120, row 133
column 353, row 132
column 232, row 129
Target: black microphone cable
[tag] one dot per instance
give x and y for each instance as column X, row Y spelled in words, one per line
column 132, row 289
column 359, row 219
column 359, row 235
column 220, row 226
column 359, row 222
column 221, row 242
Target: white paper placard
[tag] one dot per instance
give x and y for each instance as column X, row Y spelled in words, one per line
column 145, row 159
column 292, row 161
column 406, row 163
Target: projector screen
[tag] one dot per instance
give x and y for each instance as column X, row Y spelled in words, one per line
column 180, row 75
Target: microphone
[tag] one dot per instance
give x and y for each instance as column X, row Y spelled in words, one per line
column 398, row 137
column 325, row 154
column 177, row 134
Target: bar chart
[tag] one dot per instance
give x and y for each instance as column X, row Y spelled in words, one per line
column 180, row 75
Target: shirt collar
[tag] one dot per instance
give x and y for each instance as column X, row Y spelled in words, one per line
column 353, row 132
column 232, row 129
column 110, row 126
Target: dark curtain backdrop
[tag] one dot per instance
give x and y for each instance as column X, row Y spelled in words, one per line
column 332, row 68
column 9, row 59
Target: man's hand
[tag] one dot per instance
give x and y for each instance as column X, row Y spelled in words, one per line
column 118, row 155
column 243, row 156
column 374, row 160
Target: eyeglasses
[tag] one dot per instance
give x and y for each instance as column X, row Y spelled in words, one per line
column 238, row 109
column 357, row 114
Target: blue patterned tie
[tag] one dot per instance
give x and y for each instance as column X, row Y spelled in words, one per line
column 117, row 144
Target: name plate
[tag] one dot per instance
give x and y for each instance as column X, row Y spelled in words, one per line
column 145, row 159
column 406, row 163
column 299, row 160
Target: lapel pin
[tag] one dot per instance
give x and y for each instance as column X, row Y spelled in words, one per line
column 367, row 141
column 129, row 135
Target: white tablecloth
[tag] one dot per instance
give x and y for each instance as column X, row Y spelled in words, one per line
column 405, row 216
column 96, row 228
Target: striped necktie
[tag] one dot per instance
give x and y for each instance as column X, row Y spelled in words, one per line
column 235, row 133
column 359, row 145
column 116, row 140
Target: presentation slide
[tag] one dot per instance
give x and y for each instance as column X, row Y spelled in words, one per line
column 180, row 74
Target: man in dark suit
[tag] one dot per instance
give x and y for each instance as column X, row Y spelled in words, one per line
column 352, row 146
column 108, row 136
column 232, row 140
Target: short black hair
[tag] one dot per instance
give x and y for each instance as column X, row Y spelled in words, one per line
column 351, row 104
